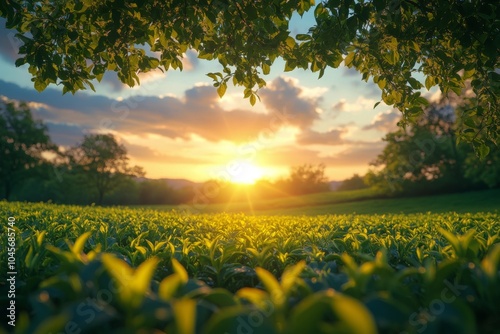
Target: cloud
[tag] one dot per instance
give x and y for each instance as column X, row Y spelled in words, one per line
column 362, row 103
column 332, row 137
column 361, row 153
column 198, row 112
column 339, row 106
column 385, row 121
column 144, row 153
column 356, row 154
column 65, row 134
column 434, row 95
column 283, row 96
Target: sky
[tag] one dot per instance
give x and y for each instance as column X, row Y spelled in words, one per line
column 174, row 124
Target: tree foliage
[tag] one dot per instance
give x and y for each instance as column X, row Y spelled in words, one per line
column 304, row 179
column 402, row 45
column 425, row 157
column 22, row 142
column 102, row 162
column 353, row 183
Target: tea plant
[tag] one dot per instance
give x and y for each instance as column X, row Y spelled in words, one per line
column 118, row 270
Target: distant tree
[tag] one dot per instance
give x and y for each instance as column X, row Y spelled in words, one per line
column 305, row 179
column 71, row 43
column 102, row 163
column 126, row 193
column 424, row 157
column 486, row 170
column 353, row 183
column 156, row 192
column 22, row 142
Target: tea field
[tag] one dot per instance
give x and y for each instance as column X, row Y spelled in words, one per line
column 119, row 270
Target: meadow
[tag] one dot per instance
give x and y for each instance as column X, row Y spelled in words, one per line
column 137, row 270
column 363, row 201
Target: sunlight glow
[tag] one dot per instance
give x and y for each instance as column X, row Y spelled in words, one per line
column 246, row 173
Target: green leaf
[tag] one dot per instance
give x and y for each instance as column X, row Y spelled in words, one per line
column 348, row 59
column 271, row 284
column 238, row 320
column 179, row 270
column 483, row 151
column 254, row 295
column 266, row 68
column 221, row 90
column 169, row 286
column 185, row 315
column 491, row 263
column 429, row 82
column 77, row 248
column 414, row 83
column 20, row 62
column 422, row 100
column 469, row 122
column 321, row 73
column 143, row 275
column 290, row 66
column 314, row 66
column 213, row 76
column 253, row 99
column 248, row 93
column 291, row 275
column 381, row 83
column 220, row 297
column 290, row 42
column 40, row 85
column 330, row 312
column 303, row 37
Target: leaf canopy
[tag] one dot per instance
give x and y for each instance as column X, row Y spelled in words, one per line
column 402, row 45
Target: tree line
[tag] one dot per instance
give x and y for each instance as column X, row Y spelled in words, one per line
column 97, row 170
column 422, row 158
column 428, row 157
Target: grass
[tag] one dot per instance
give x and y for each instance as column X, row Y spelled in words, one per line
column 468, row 202
column 363, row 201
column 304, row 202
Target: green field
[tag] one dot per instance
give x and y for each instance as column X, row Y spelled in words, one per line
column 365, row 201
column 467, row 202
column 118, row 270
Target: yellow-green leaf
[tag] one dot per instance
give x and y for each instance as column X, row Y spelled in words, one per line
column 77, row 248
column 291, row 274
column 169, row 286
column 143, row 275
column 185, row 315
column 271, row 284
column 221, row 90
column 179, row 270
column 348, row 59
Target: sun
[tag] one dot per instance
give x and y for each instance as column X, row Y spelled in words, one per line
column 246, row 173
